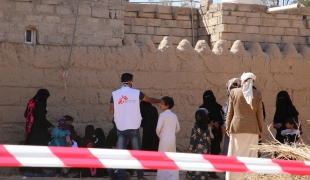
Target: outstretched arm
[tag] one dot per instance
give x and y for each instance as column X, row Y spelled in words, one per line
column 151, row 100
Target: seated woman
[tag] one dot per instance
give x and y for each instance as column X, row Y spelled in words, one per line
column 100, row 144
column 88, row 141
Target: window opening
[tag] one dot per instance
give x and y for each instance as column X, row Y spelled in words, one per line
column 30, row 36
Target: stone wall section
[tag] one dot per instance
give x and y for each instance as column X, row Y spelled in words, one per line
column 250, row 23
column 100, row 22
column 182, row 72
column 156, row 21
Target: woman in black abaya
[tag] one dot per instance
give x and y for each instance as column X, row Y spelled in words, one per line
column 36, row 123
column 216, row 117
column 149, row 115
column 284, row 109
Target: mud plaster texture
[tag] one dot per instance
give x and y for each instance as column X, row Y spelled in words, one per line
column 183, row 72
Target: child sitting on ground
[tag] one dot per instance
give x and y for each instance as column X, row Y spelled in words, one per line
column 167, row 126
column 292, row 132
column 73, row 136
column 61, row 137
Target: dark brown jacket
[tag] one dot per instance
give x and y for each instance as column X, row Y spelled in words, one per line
column 241, row 118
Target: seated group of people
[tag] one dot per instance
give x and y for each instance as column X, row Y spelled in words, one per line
column 65, row 135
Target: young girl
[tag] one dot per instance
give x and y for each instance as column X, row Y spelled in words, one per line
column 167, row 126
column 61, row 134
column 61, row 137
column 200, row 141
column 292, row 133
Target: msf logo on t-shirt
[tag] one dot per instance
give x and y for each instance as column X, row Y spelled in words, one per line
column 124, row 99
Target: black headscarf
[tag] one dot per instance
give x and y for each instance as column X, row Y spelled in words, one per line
column 215, row 109
column 101, row 138
column 89, row 139
column 41, row 95
column 149, row 115
column 89, row 131
column 284, row 108
column 201, row 119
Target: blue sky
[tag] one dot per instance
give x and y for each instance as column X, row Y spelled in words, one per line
column 214, row 1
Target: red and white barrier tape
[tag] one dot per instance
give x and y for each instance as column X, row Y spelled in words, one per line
column 43, row 156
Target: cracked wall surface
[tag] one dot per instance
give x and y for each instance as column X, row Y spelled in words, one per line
column 183, row 72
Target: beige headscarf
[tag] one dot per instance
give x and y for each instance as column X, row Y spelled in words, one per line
column 247, row 86
column 231, row 83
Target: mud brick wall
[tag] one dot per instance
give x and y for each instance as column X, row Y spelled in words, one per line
column 100, row 22
column 182, row 72
column 156, row 21
column 250, row 23
column 155, row 44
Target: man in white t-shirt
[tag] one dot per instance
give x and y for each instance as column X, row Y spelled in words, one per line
column 125, row 105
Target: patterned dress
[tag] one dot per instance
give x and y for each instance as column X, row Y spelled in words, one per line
column 200, row 143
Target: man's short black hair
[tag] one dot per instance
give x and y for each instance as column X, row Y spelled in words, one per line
column 168, row 101
column 69, row 118
column 126, row 77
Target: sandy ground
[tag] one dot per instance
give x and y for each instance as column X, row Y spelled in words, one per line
column 148, row 175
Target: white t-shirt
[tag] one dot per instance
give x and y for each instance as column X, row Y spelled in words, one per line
column 127, row 108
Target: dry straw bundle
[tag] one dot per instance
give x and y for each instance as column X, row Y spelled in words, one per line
column 275, row 149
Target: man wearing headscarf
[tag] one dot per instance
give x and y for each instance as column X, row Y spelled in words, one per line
column 231, row 84
column 284, row 109
column 244, row 120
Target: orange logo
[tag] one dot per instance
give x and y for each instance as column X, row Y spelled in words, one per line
column 122, row 99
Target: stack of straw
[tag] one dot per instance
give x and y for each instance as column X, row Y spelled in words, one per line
column 275, row 149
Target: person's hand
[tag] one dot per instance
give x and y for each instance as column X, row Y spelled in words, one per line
column 69, row 143
column 228, row 133
column 216, row 125
column 223, row 130
column 276, row 126
column 260, row 136
column 279, row 125
column 211, row 124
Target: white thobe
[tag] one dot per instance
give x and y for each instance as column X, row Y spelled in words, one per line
column 167, row 126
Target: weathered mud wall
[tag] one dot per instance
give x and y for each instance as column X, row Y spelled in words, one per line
column 100, row 23
column 157, row 21
column 182, row 72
